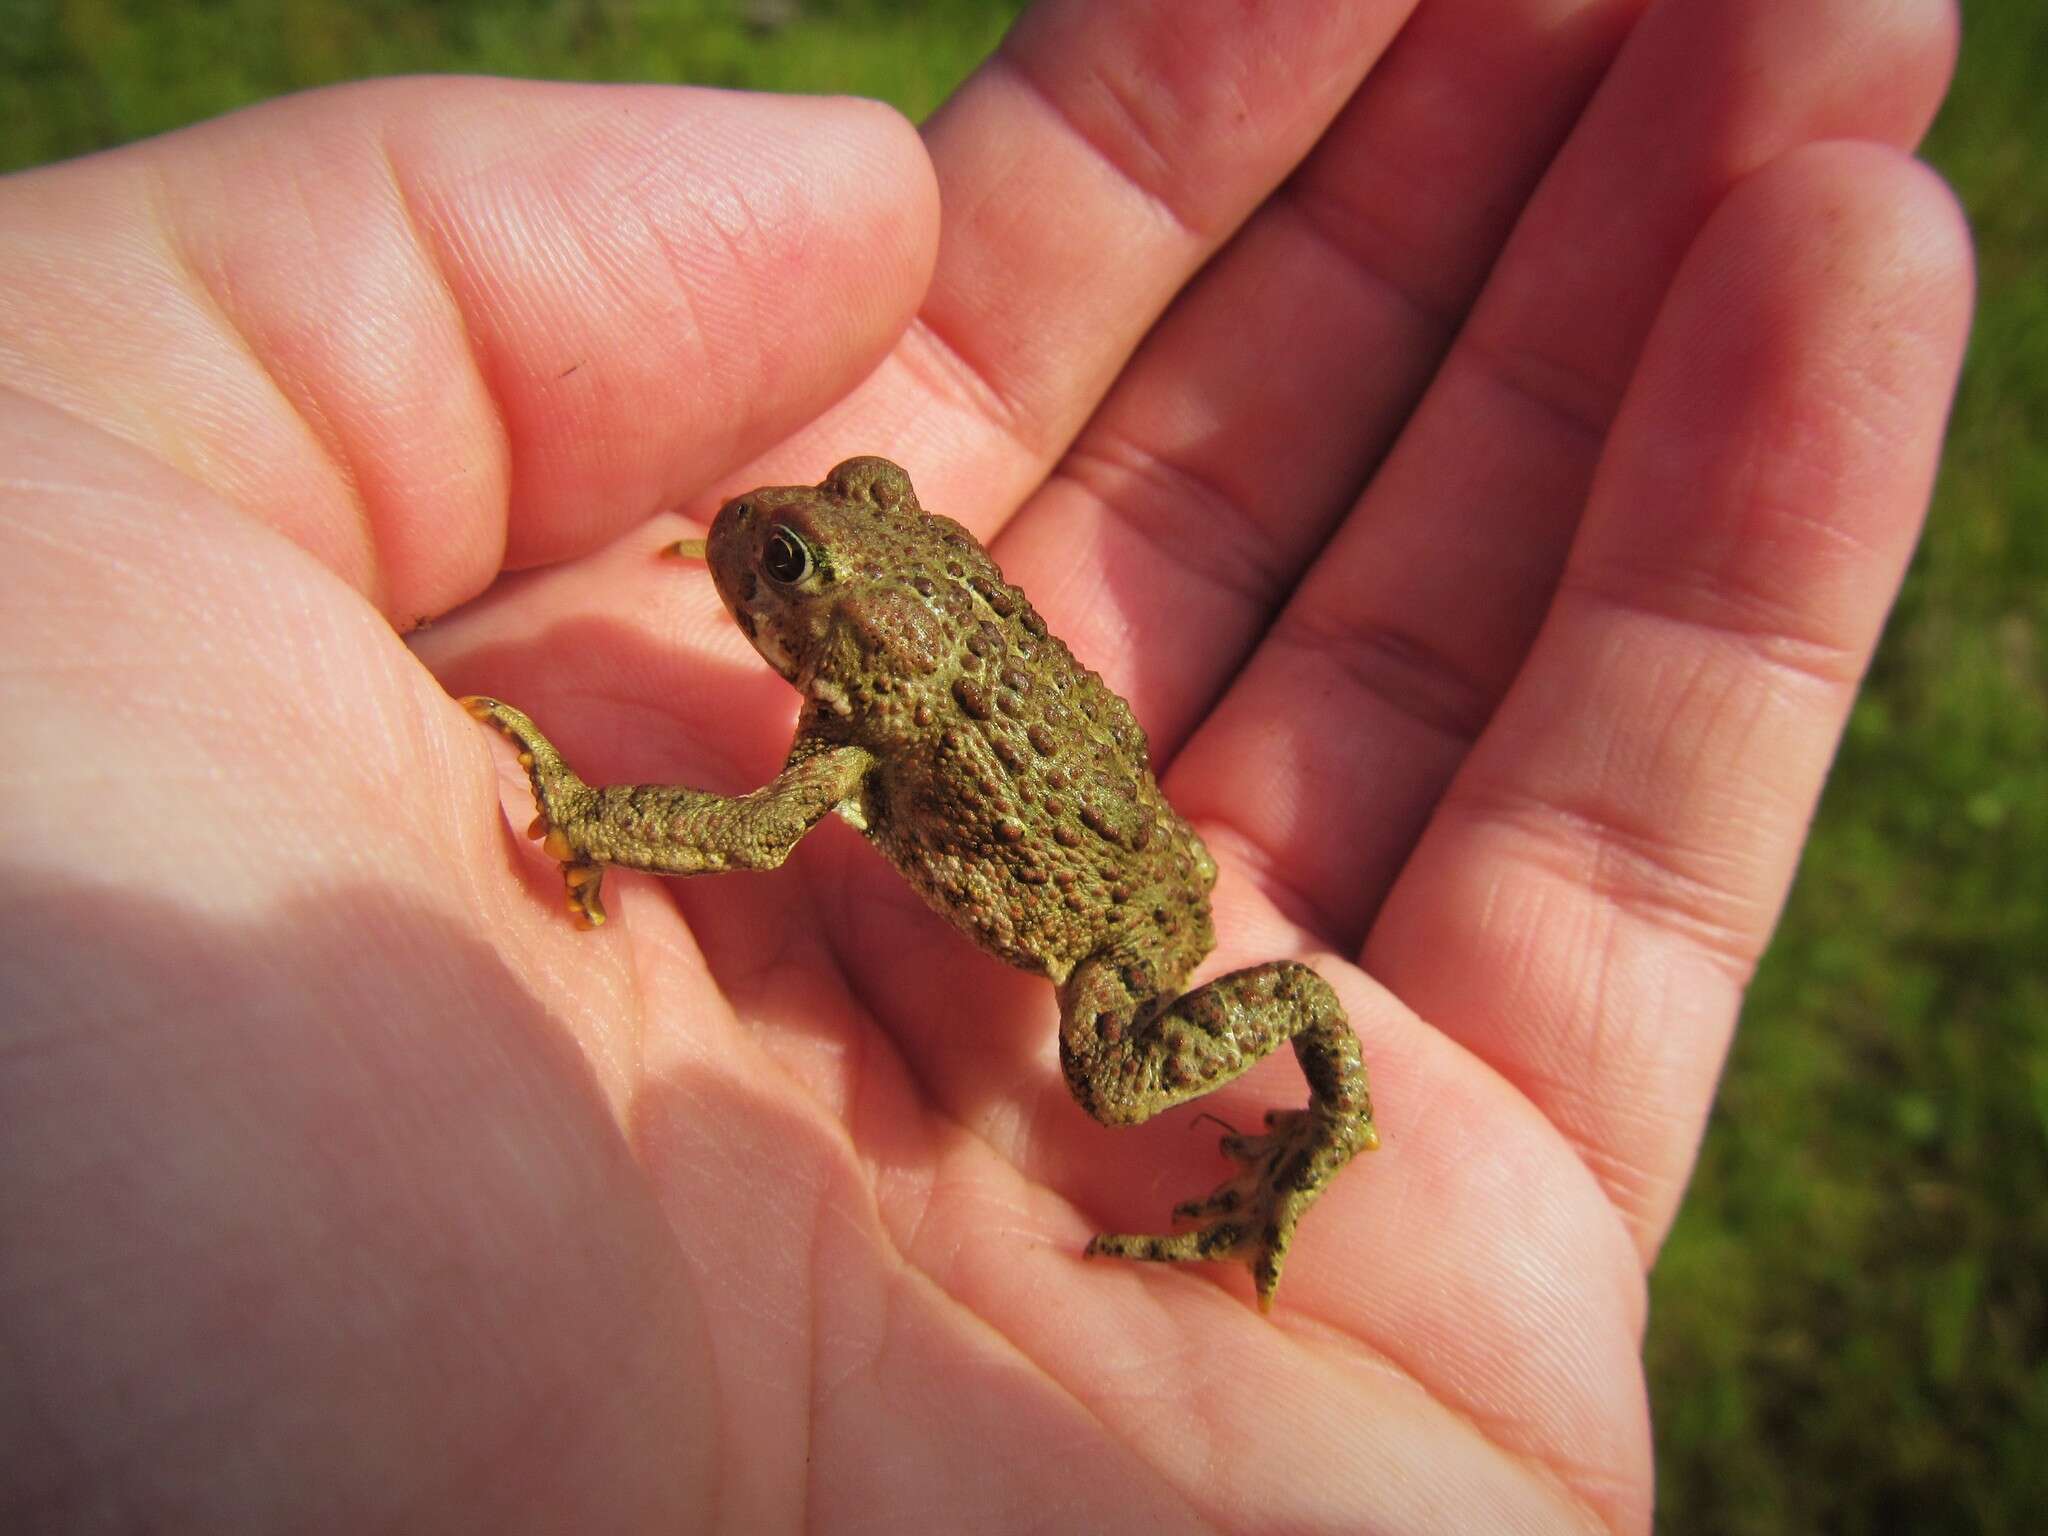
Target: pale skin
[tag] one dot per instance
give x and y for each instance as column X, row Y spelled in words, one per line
column 1493, row 605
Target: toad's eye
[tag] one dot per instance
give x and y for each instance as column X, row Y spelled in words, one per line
column 787, row 558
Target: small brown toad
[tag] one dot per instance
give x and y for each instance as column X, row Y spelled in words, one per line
column 1013, row 790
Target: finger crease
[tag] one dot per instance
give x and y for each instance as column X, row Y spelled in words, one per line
column 1157, row 498
column 1399, row 668
column 1702, row 602
column 1357, row 243
column 1581, row 403
column 945, row 366
column 1634, row 870
column 1221, row 831
column 1138, row 135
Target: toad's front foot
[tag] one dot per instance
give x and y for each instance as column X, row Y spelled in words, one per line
column 1253, row 1216
column 560, row 798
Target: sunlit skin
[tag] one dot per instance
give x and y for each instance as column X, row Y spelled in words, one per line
column 1480, row 444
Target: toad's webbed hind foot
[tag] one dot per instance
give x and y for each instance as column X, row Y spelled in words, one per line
column 1253, row 1215
column 1129, row 1055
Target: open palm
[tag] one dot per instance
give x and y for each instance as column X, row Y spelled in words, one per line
column 1483, row 455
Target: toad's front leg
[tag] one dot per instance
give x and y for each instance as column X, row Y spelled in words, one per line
column 1127, row 1057
column 668, row 829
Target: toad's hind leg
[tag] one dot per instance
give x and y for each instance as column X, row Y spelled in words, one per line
column 1128, row 1056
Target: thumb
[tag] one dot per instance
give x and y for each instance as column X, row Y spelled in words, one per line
column 426, row 327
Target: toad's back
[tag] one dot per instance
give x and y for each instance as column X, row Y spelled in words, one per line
column 1012, row 786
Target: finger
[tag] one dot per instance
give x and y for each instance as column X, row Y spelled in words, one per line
column 1249, row 420
column 1589, row 901
column 1367, row 693
column 1087, row 170
column 378, row 317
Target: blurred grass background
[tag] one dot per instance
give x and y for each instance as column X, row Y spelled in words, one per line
column 1850, row 1324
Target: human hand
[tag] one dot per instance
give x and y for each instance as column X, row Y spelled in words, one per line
column 345, row 1182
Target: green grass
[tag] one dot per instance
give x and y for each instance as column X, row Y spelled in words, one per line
column 77, row 75
column 1850, row 1325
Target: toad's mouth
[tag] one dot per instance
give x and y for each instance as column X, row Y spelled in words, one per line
column 771, row 648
